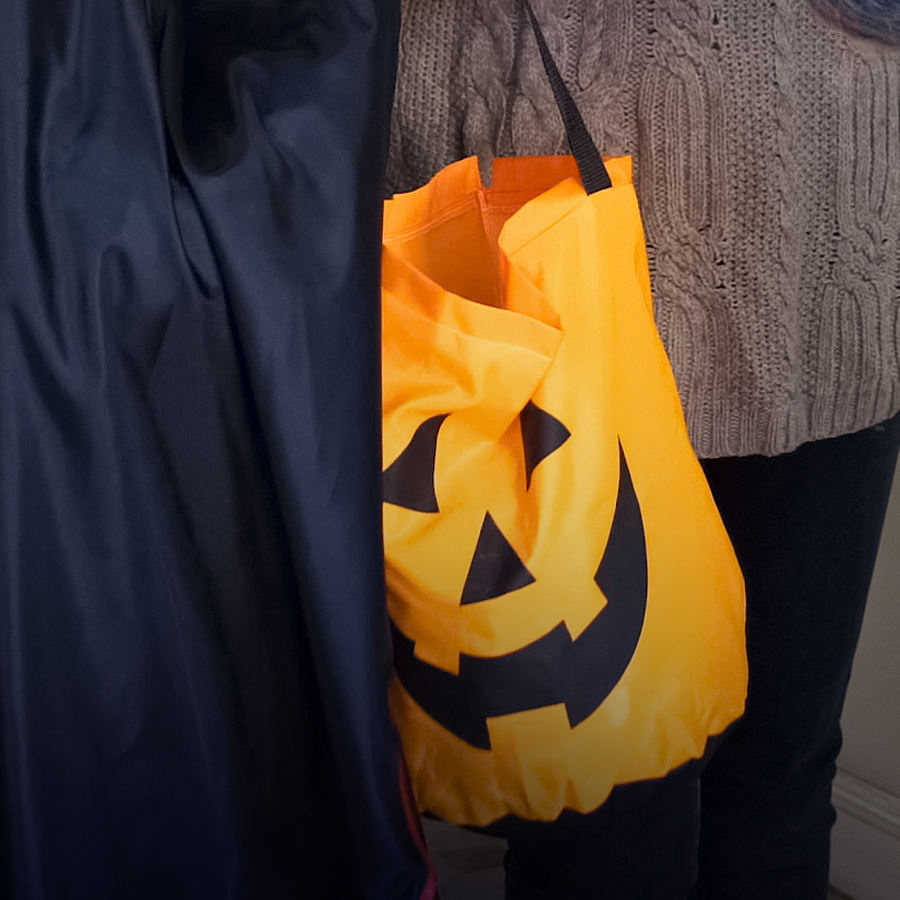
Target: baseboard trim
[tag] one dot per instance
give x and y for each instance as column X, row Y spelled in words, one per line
column 867, row 803
column 865, row 846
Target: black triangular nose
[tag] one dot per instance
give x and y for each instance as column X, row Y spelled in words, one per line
column 496, row 568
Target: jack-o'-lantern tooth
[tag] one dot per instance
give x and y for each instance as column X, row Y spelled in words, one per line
column 409, row 480
column 496, row 568
column 542, row 434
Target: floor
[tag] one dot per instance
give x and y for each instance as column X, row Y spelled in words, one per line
column 470, row 866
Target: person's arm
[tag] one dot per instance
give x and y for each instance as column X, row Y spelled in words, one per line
column 875, row 19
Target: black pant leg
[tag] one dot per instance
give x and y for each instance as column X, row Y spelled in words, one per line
column 806, row 528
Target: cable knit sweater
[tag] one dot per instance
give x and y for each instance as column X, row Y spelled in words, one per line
column 767, row 162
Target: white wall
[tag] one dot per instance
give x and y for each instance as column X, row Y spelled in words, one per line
column 866, row 839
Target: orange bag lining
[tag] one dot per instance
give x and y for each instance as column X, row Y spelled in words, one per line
column 463, row 256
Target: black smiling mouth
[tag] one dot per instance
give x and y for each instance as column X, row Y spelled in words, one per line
column 554, row 668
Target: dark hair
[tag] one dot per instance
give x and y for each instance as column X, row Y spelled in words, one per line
column 875, row 19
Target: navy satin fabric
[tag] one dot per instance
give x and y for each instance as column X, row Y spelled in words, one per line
column 193, row 644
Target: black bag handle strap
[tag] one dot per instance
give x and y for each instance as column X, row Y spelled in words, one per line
column 594, row 176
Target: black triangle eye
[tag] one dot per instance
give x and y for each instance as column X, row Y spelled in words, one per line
column 496, row 568
column 409, row 480
column 541, row 435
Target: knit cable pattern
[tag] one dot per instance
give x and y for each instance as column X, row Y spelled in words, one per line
column 767, row 163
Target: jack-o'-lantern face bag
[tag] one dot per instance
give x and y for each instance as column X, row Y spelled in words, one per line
column 567, row 609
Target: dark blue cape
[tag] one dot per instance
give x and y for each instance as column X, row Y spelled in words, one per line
column 193, row 643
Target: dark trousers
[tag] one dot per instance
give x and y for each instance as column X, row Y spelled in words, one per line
column 756, row 824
